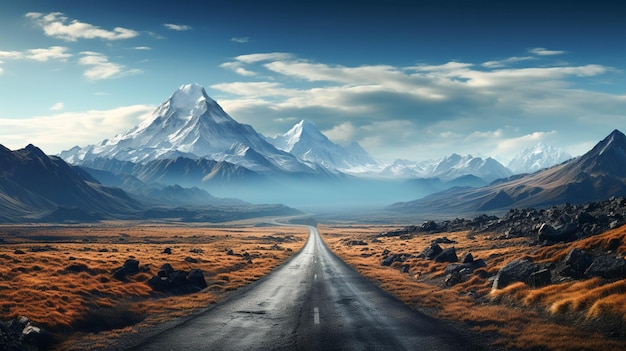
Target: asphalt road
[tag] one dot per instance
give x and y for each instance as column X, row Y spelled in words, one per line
column 313, row 302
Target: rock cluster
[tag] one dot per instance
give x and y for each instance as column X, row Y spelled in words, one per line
column 561, row 223
column 21, row 334
column 177, row 281
column 555, row 224
column 578, row 264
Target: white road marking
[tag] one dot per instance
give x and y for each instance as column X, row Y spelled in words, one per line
column 315, row 276
column 316, row 315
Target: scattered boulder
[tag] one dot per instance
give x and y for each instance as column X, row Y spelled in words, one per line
column 518, row 270
column 432, row 251
column 130, row 267
column 540, row 278
column 447, row 255
column 576, row 263
column 468, row 258
column 167, row 251
column 191, row 259
column 607, row 267
column 177, row 281
column 21, row 334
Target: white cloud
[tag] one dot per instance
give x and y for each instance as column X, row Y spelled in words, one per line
column 55, row 25
column 62, row 131
column 425, row 110
column 12, row 55
column 546, row 52
column 51, row 53
column 102, row 68
column 177, row 27
column 144, row 48
column 240, row 40
column 502, row 63
column 57, row 107
column 271, row 56
column 238, row 68
column 42, row 55
column 342, row 133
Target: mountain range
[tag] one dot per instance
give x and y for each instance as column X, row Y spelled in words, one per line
column 191, row 156
column 594, row 176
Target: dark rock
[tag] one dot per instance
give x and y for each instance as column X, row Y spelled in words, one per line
column 196, row 278
column 19, row 252
column 468, row 258
column 165, row 270
column 405, row 268
column 390, row 259
column 130, row 267
column 576, row 262
column 432, row 251
column 479, row 263
column 565, row 232
column 518, row 270
column 447, row 255
column 191, row 259
column 540, row 278
column 167, row 251
column 614, row 244
column 230, row 252
column 196, row 251
column 444, row 240
column 178, row 278
column 607, row 267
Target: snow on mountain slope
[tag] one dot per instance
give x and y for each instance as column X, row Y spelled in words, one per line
column 191, row 124
column 539, row 157
column 448, row 168
column 306, row 142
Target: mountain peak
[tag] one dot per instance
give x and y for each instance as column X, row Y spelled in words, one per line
column 189, row 96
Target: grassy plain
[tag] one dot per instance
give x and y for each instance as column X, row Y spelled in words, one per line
column 61, row 277
column 587, row 314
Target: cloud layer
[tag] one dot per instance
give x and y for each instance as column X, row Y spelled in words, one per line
column 418, row 111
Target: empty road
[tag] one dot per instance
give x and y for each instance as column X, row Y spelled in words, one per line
column 313, row 302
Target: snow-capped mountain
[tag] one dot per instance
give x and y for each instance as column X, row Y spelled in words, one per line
column 536, row 158
column 192, row 125
column 307, row 143
column 448, row 168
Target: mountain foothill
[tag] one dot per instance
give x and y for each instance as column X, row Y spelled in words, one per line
column 190, row 156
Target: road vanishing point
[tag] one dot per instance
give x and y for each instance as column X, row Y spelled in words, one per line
column 314, row 301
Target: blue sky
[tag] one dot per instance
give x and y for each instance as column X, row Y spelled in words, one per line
column 406, row 79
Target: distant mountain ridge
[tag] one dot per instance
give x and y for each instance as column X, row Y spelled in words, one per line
column 307, row 143
column 449, row 168
column 536, row 158
column 33, row 185
column 597, row 175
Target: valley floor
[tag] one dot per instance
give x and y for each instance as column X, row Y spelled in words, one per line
column 66, row 278
column 585, row 314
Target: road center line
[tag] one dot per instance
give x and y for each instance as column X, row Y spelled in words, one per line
column 316, row 315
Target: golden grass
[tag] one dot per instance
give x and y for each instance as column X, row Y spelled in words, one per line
column 555, row 317
column 63, row 280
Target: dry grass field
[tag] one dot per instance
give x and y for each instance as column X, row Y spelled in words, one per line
column 61, row 277
column 585, row 314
